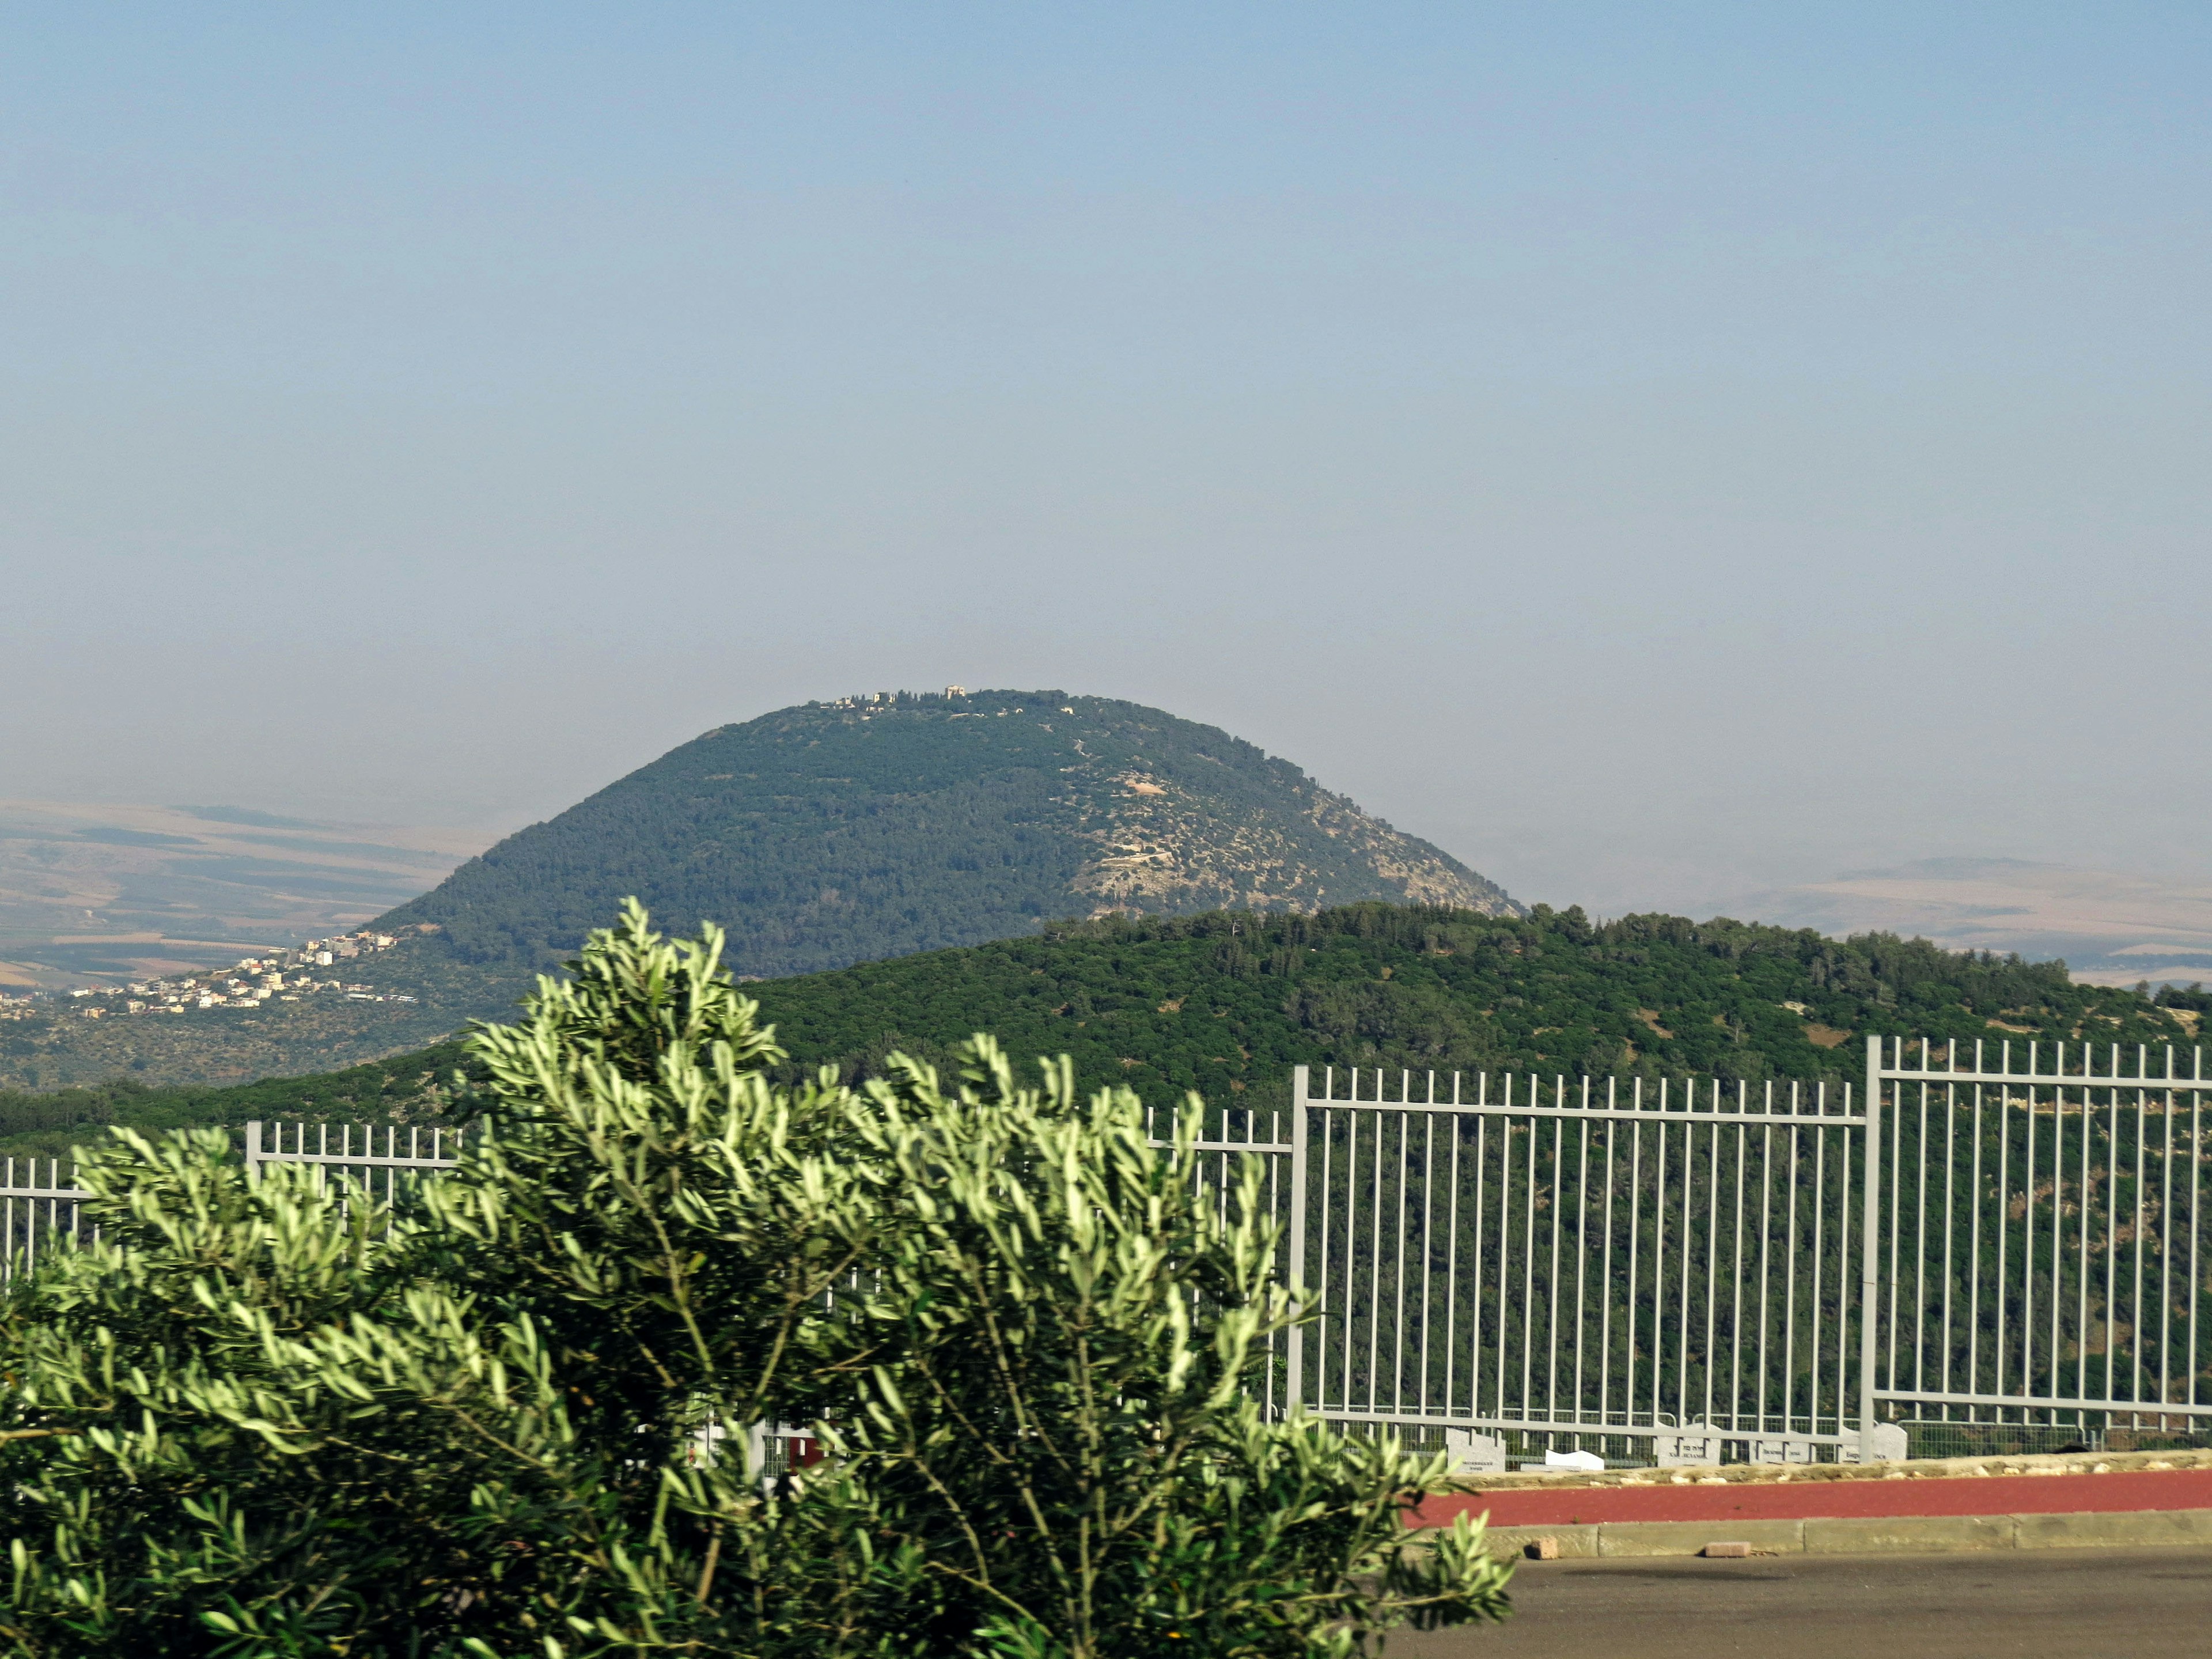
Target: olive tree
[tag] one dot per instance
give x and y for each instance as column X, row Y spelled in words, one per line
column 264, row 1415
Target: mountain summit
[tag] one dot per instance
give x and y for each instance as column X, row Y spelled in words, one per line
column 875, row 826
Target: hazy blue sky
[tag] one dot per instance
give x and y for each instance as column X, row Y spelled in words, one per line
column 1656, row 450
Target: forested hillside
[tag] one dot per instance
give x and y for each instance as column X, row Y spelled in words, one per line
column 1227, row 1002
column 865, row 829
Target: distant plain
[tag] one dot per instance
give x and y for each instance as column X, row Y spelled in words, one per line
column 2111, row 928
column 95, row 894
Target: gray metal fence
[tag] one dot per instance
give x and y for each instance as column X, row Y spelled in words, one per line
column 39, row 1212
column 2041, row 1239
column 1609, row 1261
column 1225, row 1138
column 378, row 1159
column 1990, row 1242
column 1991, row 1239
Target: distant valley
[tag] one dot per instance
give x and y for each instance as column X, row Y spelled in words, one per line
column 93, row 894
column 2112, row 929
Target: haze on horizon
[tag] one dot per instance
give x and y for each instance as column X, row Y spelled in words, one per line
column 1657, row 455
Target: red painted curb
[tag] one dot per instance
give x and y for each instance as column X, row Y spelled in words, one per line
column 2005, row 1494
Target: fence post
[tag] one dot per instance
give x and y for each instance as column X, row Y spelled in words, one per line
column 253, row 1147
column 1295, row 1385
column 1869, row 1249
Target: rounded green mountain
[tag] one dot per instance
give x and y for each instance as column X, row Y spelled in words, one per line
column 867, row 828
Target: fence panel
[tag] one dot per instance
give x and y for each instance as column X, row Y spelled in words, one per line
column 1599, row 1259
column 1225, row 1137
column 2042, row 1241
column 380, row 1161
column 39, row 1212
column 41, row 1209
column 2026, row 1254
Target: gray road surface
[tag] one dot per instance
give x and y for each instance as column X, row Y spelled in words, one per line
column 2008, row 1604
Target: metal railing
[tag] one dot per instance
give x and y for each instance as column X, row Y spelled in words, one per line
column 1603, row 1258
column 41, row 1212
column 367, row 1156
column 2041, row 1237
column 1987, row 1239
column 37, row 1214
column 1225, row 1137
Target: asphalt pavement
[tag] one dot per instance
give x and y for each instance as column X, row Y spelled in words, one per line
column 1993, row 1604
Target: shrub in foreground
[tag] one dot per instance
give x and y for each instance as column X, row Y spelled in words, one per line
column 264, row 1416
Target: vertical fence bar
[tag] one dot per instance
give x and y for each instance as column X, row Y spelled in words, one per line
column 1428, row 1232
column 2004, row 1222
column 1920, row 1253
column 2080, row 1244
column 1844, row 1264
column 1974, row 1255
column 2165, row 1255
column 1950, row 1158
column 2111, row 1222
column 1790, row 1283
column 1398, row 1268
column 1682, row 1276
column 1294, row 1384
column 1817, row 1277
column 1528, row 1265
column 1634, row 1238
column 1766, row 1266
column 1735, row 1302
column 2136, row 1306
column 2195, row 1224
column 1582, row 1254
column 1375, row 1252
column 1321, row 1276
column 1870, row 1249
column 1659, row 1259
column 1552, row 1272
column 1504, row 1237
column 1605, row 1329
column 1712, row 1238
column 1351, row 1117
column 1451, row 1261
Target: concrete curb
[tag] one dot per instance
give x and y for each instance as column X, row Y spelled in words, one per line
column 1903, row 1534
column 1724, row 1502
column 1762, row 1475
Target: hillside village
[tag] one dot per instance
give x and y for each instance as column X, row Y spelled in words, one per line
column 283, row 975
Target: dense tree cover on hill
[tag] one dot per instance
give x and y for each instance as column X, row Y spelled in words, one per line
column 2194, row 999
column 834, row 832
column 1226, row 1003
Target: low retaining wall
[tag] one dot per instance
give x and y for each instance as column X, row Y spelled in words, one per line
column 1784, row 1474
column 2033, row 1494
column 1961, row 1503
column 1869, row 1536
